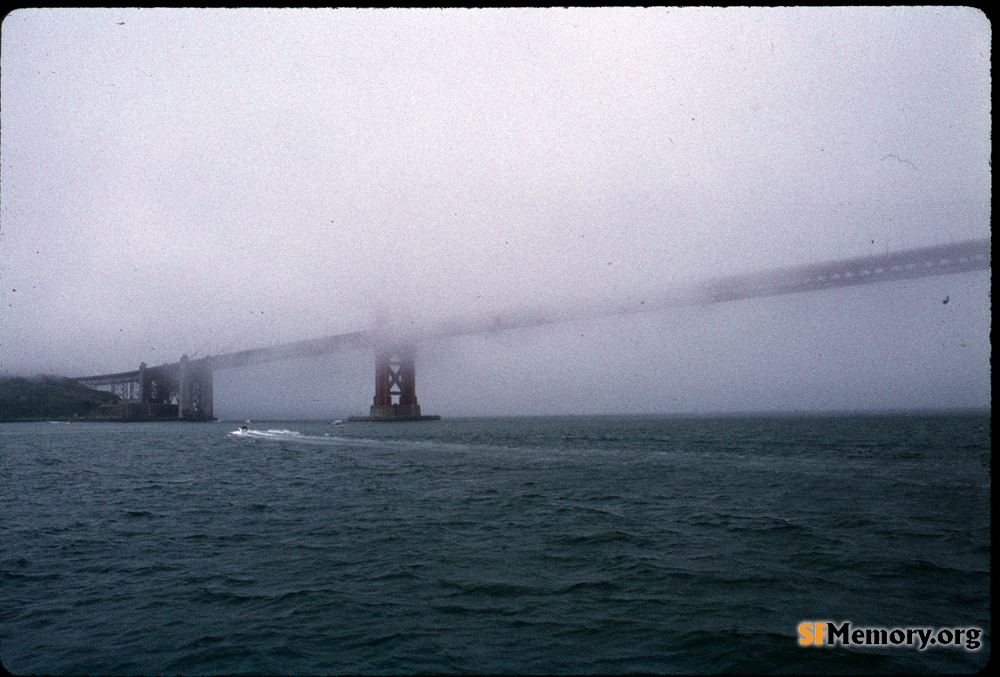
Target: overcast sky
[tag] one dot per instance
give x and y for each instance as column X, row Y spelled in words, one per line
column 201, row 181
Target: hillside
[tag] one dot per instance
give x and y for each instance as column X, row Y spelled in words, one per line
column 46, row 398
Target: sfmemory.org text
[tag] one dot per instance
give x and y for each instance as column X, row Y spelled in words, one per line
column 828, row 633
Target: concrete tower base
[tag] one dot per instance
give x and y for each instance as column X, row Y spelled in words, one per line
column 394, row 412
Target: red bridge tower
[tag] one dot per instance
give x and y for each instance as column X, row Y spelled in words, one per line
column 395, row 367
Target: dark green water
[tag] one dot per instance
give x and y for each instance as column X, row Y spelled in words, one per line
column 566, row 545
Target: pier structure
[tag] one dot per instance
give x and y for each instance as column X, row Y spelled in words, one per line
column 182, row 390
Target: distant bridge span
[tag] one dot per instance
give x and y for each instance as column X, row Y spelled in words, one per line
column 184, row 389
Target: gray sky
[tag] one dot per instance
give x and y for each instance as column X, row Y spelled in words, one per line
column 177, row 181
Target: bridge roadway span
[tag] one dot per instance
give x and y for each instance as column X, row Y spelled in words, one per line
column 183, row 389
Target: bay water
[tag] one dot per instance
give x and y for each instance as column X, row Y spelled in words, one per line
column 568, row 545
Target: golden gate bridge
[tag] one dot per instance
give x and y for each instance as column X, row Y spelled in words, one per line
column 184, row 389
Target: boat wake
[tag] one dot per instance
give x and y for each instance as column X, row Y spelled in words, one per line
column 343, row 441
column 283, row 435
column 268, row 434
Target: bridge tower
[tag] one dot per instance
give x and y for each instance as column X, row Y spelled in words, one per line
column 194, row 391
column 395, row 367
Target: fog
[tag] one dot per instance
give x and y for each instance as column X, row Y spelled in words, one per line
column 203, row 181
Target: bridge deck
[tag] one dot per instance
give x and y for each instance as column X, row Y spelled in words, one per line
column 947, row 259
